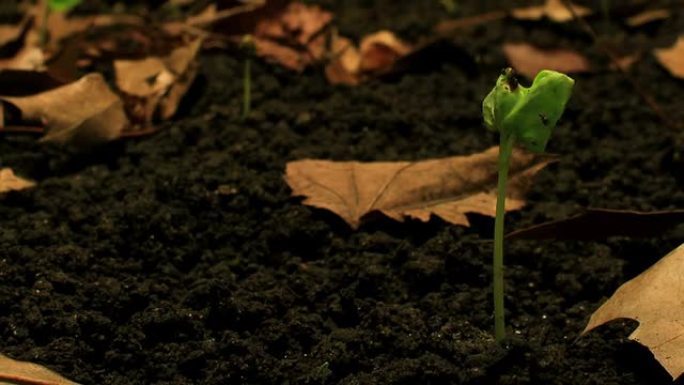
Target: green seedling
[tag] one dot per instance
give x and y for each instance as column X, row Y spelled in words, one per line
column 248, row 48
column 524, row 116
column 54, row 6
column 450, row 6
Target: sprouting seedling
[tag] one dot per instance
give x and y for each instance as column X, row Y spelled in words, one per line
column 248, row 48
column 524, row 116
column 54, row 6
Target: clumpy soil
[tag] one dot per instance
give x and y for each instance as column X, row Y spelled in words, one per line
column 181, row 258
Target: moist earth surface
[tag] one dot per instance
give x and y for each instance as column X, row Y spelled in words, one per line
column 181, row 257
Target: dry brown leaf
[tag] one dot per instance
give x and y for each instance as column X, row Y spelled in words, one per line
column 25, row 56
column 299, row 22
column 11, row 182
column 646, row 17
column 13, row 372
column 12, row 33
column 377, row 54
column 345, row 62
column 527, row 59
column 183, row 64
column 158, row 82
column 654, row 299
column 61, row 26
column 672, row 58
column 380, row 50
column 448, row 187
column 82, row 113
column 292, row 37
column 553, row 9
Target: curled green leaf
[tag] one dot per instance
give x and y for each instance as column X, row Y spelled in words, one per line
column 529, row 114
column 62, row 5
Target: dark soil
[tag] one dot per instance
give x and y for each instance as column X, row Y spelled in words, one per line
column 127, row 266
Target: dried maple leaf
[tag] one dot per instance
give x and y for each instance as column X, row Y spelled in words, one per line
column 654, row 299
column 13, row 372
column 11, row 182
column 672, row 58
column 448, row 188
column 158, row 82
column 82, row 113
column 553, row 9
column 529, row 60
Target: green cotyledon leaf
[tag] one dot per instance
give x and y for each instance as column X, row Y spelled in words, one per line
column 530, row 114
column 62, row 5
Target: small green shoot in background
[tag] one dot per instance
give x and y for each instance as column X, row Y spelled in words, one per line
column 524, row 116
column 248, row 48
column 54, row 6
column 450, row 6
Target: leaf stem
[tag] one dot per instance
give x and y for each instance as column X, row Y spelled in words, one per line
column 247, row 88
column 505, row 149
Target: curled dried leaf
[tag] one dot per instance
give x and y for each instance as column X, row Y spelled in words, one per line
column 81, row 113
column 653, row 299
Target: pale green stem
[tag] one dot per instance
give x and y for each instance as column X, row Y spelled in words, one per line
column 505, row 149
column 247, row 88
column 605, row 8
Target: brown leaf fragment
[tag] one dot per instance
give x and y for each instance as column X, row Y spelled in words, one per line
column 625, row 62
column 380, row 50
column 13, row 372
column 11, row 182
column 554, row 10
column 672, row 58
column 185, row 75
column 12, row 33
column 377, row 54
column 157, row 82
column 647, row 17
column 528, row 60
column 82, row 113
column 17, row 52
column 595, row 224
column 448, row 187
column 654, row 299
column 292, row 37
column 298, row 22
column 345, row 63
